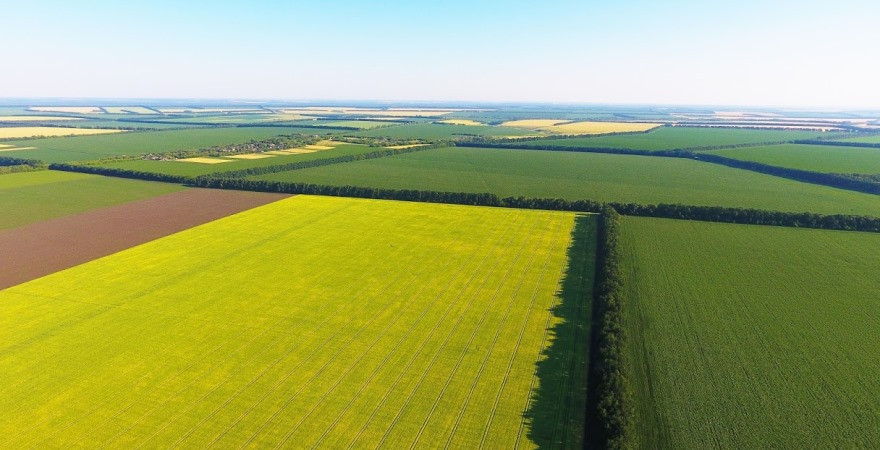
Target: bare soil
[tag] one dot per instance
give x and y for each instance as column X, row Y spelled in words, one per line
column 42, row 248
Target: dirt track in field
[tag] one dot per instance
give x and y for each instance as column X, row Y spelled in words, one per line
column 39, row 249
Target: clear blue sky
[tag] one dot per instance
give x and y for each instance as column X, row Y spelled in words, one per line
column 773, row 53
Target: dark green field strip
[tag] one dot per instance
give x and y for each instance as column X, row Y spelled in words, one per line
column 816, row 158
column 86, row 148
column 576, row 176
column 752, row 337
column 672, row 138
column 35, row 196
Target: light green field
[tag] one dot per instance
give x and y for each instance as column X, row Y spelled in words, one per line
column 752, row 337
column 594, row 176
column 190, row 169
column 88, row 148
column 865, row 139
column 310, row 321
column 669, row 138
column 816, row 158
column 30, row 197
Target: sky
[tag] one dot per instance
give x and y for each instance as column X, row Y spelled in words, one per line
column 753, row 53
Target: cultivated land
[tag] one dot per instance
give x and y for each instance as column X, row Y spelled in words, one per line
column 441, row 131
column 816, row 158
column 594, row 176
column 668, row 138
column 26, row 132
column 213, row 165
column 277, row 327
column 36, row 118
column 32, row 251
column 31, row 197
column 752, row 337
column 139, row 143
column 864, row 139
column 584, row 127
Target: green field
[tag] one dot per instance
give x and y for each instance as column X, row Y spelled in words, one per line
column 601, row 177
column 752, row 337
column 816, row 158
column 310, row 321
column 864, row 139
column 441, row 131
column 669, row 138
column 34, row 196
column 85, row 148
column 190, row 169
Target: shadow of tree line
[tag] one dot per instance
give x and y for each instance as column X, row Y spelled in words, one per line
column 557, row 415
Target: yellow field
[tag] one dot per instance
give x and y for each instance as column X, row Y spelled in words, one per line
column 318, row 147
column 128, row 110
column 399, row 147
column 533, row 123
column 461, row 122
column 600, row 127
column 68, row 109
column 26, row 132
column 35, row 118
column 250, row 156
column 205, row 160
column 5, row 145
column 557, row 126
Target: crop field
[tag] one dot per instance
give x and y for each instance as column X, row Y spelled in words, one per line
column 600, row 127
column 275, row 327
column 583, row 127
column 27, row 132
column 461, row 122
column 752, row 337
column 668, row 138
column 864, row 139
column 594, row 176
column 129, row 110
column 817, row 158
column 215, row 165
column 441, row 131
column 34, row 196
column 36, row 118
column 68, row 109
column 139, row 143
column 533, row 123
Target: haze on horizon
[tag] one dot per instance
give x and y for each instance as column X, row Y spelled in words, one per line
column 778, row 53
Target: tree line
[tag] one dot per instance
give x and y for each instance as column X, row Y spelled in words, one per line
column 15, row 165
column 670, row 211
column 837, row 143
column 612, row 403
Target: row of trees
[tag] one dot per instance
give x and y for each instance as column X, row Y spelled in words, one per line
column 120, row 173
column 828, row 179
column 613, row 393
column 672, row 211
column 15, row 165
column 837, row 143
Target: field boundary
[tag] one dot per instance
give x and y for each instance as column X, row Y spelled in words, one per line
column 837, row 143
column 670, row 211
column 610, row 393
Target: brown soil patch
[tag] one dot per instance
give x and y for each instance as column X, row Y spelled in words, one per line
column 39, row 249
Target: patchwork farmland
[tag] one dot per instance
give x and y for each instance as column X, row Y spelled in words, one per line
column 388, row 276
